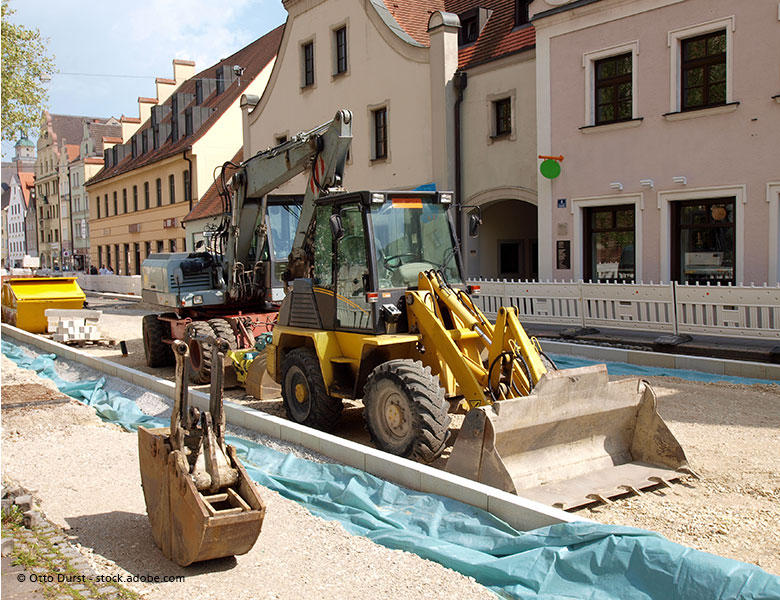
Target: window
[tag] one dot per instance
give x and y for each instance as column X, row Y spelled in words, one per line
column 172, row 245
column 172, row 188
column 502, row 109
column 281, row 140
column 100, row 255
column 609, row 243
column 159, row 191
column 308, row 64
column 144, row 142
column 521, row 12
column 704, row 242
column 341, row 50
column 106, row 203
column 469, row 28
column 220, row 79
column 186, row 180
column 146, row 194
column 380, row 133
column 156, row 136
column 703, row 71
column 97, row 206
column 116, row 205
column 135, row 198
column 613, row 80
column 134, row 147
column 160, row 246
column 124, row 200
column 147, row 249
column 188, row 122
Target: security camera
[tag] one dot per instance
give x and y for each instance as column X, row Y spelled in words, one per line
column 238, row 70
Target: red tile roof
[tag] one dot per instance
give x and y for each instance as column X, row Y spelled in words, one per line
column 210, row 205
column 253, row 58
column 498, row 38
column 28, row 182
column 73, row 151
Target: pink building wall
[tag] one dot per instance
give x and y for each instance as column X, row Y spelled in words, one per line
column 739, row 147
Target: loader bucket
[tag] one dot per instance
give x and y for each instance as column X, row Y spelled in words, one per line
column 25, row 300
column 189, row 526
column 576, row 439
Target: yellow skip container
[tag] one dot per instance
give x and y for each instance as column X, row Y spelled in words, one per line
column 24, row 300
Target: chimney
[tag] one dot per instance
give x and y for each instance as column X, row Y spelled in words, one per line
column 129, row 126
column 145, row 108
column 165, row 88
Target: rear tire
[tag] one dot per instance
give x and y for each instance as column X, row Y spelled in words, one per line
column 306, row 399
column 405, row 410
column 157, row 352
column 200, row 353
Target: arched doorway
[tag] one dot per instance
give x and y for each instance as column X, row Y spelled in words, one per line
column 507, row 246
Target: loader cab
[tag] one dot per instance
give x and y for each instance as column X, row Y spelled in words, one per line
column 282, row 214
column 368, row 249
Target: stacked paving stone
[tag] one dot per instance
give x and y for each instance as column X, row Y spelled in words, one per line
column 74, row 325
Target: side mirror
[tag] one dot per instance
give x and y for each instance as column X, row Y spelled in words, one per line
column 475, row 220
column 335, row 227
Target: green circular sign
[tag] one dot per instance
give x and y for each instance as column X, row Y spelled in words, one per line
column 550, row 168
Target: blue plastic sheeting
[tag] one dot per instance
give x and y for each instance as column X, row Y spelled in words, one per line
column 619, row 368
column 579, row 560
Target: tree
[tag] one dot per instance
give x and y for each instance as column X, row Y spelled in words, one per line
column 26, row 63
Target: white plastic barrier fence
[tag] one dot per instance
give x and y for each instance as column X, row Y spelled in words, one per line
column 728, row 311
column 734, row 311
column 644, row 306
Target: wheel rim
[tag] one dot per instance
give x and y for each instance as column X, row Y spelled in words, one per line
column 298, row 394
column 395, row 413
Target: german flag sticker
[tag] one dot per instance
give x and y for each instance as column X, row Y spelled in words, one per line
column 406, row 202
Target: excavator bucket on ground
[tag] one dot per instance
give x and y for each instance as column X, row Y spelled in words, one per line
column 200, row 501
column 578, row 438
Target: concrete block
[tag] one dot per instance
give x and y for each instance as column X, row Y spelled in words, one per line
column 24, row 502
column 524, row 514
column 303, row 436
column 402, row 471
column 346, row 452
column 773, row 372
column 257, row 421
column 744, row 369
column 446, row 484
column 699, row 363
column 651, row 359
column 124, row 372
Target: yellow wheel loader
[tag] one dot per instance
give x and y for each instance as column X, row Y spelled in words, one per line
column 378, row 311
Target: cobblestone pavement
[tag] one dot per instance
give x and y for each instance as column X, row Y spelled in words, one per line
column 44, row 565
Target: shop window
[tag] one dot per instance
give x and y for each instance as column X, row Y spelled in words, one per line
column 704, row 241
column 610, row 239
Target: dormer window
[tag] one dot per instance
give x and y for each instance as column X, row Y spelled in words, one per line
column 199, row 92
column 220, row 80
column 188, row 121
column 469, row 30
column 471, row 23
column 521, row 12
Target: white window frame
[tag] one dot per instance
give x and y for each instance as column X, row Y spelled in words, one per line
column 577, row 210
column 491, row 100
column 665, row 198
column 674, row 42
column 589, row 64
column 773, row 198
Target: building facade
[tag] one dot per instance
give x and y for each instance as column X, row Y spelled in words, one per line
column 19, row 199
column 668, row 115
column 152, row 180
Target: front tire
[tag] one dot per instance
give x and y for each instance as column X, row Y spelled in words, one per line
column 405, row 410
column 306, row 398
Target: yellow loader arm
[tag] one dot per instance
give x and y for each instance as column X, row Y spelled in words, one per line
column 562, row 437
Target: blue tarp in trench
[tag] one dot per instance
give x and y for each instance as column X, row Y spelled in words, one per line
column 580, row 560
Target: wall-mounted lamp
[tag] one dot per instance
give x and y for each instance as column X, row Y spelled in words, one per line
column 616, row 185
column 647, row 183
column 681, row 179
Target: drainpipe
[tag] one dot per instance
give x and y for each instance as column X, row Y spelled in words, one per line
column 70, row 218
column 189, row 193
column 460, row 81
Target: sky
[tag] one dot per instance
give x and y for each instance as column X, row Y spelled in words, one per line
column 134, row 42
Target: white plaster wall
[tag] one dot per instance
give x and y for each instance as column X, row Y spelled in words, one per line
column 15, row 232
column 382, row 70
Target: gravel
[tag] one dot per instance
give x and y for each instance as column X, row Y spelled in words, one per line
column 86, row 474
